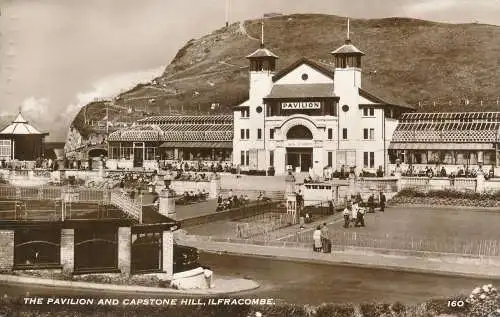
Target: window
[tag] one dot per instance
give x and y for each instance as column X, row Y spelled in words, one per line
column 368, row 112
column 305, row 77
column 271, row 134
column 369, row 159
column 242, row 161
column 5, row 149
column 259, row 134
column 245, row 113
column 330, row 134
column 344, row 133
column 248, row 134
column 242, row 131
column 330, row 159
column 259, row 109
column 247, row 154
column 271, row 158
column 369, row 134
column 345, row 108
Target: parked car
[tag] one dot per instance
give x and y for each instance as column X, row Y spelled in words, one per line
column 185, row 258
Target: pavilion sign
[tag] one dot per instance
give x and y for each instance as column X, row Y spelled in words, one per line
column 300, row 105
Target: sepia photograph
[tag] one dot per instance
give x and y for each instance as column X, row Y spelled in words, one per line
column 250, row 158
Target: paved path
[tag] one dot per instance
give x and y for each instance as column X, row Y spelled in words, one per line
column 398, row 262
column 222, row 285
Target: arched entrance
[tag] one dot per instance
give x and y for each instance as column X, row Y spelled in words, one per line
column 97, row 152
column 299, row 157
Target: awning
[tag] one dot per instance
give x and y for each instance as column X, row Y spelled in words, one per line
column 208, row 144
column 441, row 146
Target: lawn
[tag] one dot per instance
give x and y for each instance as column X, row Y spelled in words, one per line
column 430, row 223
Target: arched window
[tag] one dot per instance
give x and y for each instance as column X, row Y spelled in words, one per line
column 299, row 132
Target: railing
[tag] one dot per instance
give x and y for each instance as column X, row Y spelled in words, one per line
column 253, row 194
column 129, row 206
column 53, row 193
column 262, row 225
column 378, row 184
column 407, row 243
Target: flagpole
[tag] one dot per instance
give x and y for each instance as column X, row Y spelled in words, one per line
column 107, row 119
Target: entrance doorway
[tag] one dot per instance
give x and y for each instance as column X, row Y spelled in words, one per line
column 299, row 157
column 138, row 154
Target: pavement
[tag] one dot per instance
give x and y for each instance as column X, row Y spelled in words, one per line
column 430, row 263
column 222, row 285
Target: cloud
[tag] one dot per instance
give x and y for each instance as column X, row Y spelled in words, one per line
column 109, row 87
column 433, row 6
column 35, row 107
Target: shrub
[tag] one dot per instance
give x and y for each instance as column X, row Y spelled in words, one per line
column 331, row 310
column 375, row 310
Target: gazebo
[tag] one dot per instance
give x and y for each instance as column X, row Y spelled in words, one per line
column 21, row 141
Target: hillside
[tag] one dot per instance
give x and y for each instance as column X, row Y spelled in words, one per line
column 410, row 60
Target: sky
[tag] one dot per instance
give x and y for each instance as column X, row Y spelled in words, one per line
column 57, row 55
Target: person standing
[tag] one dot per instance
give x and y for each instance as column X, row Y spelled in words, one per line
column 325, row 239
column 382, row 201
column 347, row 213
column 360, row 221
column 317, row 239
column 354, row 212
column 371, row 203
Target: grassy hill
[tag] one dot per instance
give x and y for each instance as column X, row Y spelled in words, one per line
column 406, row 59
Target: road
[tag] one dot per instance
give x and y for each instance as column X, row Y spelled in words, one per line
column 304, row 283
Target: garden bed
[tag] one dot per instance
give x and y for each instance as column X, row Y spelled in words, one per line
column 446, row 198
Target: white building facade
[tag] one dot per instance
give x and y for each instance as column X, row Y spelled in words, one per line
column 309, row 116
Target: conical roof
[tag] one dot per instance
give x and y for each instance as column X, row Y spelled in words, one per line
column 262, row 52
column 20, row 126
column 348, row 49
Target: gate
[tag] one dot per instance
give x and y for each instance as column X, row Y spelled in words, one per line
column 37, row 247
column 96, row 249
column 147, row 254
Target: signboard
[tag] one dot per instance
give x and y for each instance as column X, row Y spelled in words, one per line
column 301, row 105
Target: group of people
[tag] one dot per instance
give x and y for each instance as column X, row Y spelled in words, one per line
column 191, row 196
column 354, row 213
column 321, row 238
column 463, row 171
column 231, row 201
column 200, row 166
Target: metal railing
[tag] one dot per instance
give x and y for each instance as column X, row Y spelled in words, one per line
column 262, row 225
column 54, row 193
column 129, row 206
column 478, row 247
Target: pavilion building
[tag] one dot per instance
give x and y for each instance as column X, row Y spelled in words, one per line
column 21, row 141
column 448, row 138
column 310, row 116
column 176, row 138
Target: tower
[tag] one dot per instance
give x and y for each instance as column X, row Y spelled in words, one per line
column 262, row 69
column 347, row 66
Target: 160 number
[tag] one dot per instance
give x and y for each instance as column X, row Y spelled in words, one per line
column 456, row 303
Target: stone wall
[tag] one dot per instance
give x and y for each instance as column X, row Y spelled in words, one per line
column 68, row 249
column 168, row 253
column 6, row 249
column 124, row 249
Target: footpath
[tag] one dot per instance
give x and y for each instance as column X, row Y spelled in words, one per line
column 429, row 263
column 222, row 285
